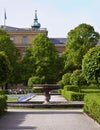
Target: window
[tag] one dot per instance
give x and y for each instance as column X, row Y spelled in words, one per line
column 12, row 38
column 24, row 39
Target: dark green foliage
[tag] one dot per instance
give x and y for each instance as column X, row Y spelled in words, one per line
column 73, row 96
column 47, row 62
column 3, row 104
column 77, row 78
column 92, row 106
column 35, row 80
column 91, row 65
column 71, row 88
column 3, row 91
column 27, row 65
column 79, row 41
column 90, row 90
column 90, row 86
column 12, row 53
column 5, row 69
column 65, row 79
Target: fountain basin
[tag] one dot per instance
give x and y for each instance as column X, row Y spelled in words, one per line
column 46, row 88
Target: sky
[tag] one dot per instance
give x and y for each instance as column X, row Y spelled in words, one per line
column 58, row 16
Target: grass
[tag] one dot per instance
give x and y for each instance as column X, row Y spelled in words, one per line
column 11, row 99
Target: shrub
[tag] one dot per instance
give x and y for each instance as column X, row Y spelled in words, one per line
column 91, row 65
column 3, row 104
column 71, row 88
column 65, row 80
column 77, row 78
column 35, row 80
column 3, row 91
column 92, row 106
column 73, row 96
column 90, row 90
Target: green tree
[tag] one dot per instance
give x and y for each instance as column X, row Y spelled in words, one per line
column 77, row 78
column 12, row 53
column 47, row 65
column 5, row 69
column 79, row 41
column 91, row 65
column 27, row 66
column 65, row 79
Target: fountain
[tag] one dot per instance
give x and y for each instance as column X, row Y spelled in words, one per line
column 46, row 88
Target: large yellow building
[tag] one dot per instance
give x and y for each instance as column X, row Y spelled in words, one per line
column 22, row 37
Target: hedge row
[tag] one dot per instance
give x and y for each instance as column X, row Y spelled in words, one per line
column 71, row 88
column 72, row 92
column 90, row 90
column 72, row 96
column 92, row 106
column 3, row 104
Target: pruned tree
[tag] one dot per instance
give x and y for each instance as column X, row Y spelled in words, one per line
column 91, row 65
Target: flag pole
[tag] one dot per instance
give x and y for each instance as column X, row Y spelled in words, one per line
column 4, row 19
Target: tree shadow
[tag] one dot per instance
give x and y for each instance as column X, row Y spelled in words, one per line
column 17, row 120
column 13, row 120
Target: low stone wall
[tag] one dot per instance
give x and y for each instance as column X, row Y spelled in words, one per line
column 41, row 105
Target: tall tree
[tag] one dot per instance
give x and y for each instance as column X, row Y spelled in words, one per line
column 47, row 65
column 5, row 69
column 11, row 51
column 79, row 41
column 46, row 59
column 27, row 65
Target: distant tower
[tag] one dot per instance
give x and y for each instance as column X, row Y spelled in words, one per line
column 36, row 25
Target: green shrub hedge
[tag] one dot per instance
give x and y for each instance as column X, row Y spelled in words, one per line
column 72, row 96
column 92, row 106
column 71, row 88
column 90, row 90
column 3, row 91
column 3, row 104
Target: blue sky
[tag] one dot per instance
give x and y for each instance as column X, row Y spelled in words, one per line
column 58, row 16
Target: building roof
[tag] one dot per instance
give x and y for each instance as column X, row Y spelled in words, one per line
column 10, row 28
column 58, row 40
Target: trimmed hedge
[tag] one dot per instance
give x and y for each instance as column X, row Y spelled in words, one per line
column 3, row 104
column 3, row 92
column 92, row 106
column 90, row 90
column 71, row 88
column 72, row 96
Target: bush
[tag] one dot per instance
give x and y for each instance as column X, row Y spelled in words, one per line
column 77, row 78
column 3, row 91
column 3, row 104
column 90, row 90
column 65, row 80
column 71, row 88
column 94, row 86
column 91, row 65
column 35, row 80
column 73, row 96
column 92, row 106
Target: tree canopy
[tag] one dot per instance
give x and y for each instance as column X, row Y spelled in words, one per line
column 79, row 41
column 91, row 65
column 47, row 63
column 11, row 51
column 5, row 69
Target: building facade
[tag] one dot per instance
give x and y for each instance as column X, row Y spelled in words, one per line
column 22, row 37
